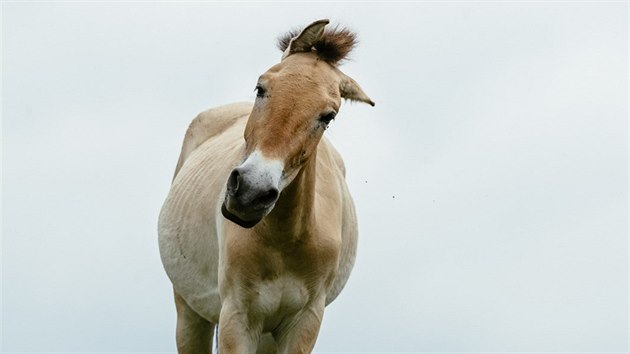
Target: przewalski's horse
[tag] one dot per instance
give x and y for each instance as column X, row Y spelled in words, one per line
column 258, row 233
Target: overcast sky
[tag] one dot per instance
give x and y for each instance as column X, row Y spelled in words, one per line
column 490, row 179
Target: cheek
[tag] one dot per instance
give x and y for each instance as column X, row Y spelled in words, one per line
column 299, row 158
column 303, row 151
column 294, row 165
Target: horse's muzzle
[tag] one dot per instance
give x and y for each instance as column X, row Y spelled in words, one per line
column 248, row 197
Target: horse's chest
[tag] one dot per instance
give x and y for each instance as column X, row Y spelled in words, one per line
column 273, row 283
column 277, row 298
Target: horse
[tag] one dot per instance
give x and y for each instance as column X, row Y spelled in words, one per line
column 258, row 232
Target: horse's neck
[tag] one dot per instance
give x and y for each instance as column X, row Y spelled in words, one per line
column 292, row 217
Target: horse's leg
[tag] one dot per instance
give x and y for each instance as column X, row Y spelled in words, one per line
column 238, row 332
column 194, row 333
column 300, row 333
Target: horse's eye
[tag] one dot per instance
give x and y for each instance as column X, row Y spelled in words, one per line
column 327, row 118
column 260, row 91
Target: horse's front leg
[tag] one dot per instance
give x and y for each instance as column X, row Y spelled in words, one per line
column 193, row 333
column 238, row 333
column 299, row 333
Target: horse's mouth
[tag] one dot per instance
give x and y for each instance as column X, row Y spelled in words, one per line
column 238, row 221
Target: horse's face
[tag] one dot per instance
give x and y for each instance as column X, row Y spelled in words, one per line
column 296, row 100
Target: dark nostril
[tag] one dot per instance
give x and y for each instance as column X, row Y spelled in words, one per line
column 233, row 182
column 267, row 198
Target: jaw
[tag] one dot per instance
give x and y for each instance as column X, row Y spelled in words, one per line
column 237, row 220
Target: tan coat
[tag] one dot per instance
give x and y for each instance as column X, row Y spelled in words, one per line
column 258, row 232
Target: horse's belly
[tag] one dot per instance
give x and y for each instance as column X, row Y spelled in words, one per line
column 192, row 269
column 188, row 239
column 190, row 258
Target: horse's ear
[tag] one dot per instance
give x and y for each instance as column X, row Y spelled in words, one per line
column 304, row 41
column 352, row 91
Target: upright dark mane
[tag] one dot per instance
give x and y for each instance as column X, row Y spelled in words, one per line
column 333, row 46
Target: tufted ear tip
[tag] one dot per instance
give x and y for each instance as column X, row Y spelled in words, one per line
column 362, row 98
column 322, row 21
column 304, row 41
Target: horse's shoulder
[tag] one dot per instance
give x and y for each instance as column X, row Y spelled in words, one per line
column 211, row 123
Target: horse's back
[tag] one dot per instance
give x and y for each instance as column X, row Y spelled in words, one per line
column 208, row 124
column 190, row 216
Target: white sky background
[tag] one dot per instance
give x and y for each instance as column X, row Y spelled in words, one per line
column 490, row 179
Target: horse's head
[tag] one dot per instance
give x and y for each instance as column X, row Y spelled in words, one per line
column 296, row 100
